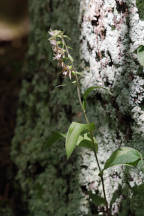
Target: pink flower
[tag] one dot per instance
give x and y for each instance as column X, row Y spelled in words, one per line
column 53, row 42
column 58, row 56
column 65, row 73
column 52, row 33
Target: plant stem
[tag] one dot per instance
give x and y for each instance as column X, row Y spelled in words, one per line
column 91, row 136
column 91, row 133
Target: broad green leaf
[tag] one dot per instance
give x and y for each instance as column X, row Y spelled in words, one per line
column 54, row 137
column 74, row 131
column 123, row 156
column 140, row 55
column 140, row 165
column 86, row 142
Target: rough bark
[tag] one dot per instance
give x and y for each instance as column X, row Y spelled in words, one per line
column 49, row 182
column 110, row 33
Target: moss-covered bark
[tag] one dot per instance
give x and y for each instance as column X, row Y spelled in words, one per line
column 140, row 6
column 49, row 182
column 110, row 33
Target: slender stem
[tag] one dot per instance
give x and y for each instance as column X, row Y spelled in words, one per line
column 91, row 136
column 91, row 133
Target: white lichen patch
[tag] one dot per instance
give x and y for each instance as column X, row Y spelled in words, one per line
column 111, row 31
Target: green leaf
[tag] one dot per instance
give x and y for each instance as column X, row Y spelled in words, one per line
column 86, row 142
column 123, row 156
column 70, row 58
column 74, row 131
column 74, row 82
column 89, row 90
column 140, row 55
column 97, row 199
column 140, row 164
column 54, row 137
column 65, row 36
column 76, row 72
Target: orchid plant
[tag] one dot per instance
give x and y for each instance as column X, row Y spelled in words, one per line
column 79, row 134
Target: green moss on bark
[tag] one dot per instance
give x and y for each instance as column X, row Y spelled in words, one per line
column 49, row 182
column 140, row 6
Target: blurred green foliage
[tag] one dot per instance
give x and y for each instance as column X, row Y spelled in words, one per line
column 6, row 212
column 140, row 6
column 48, row 181
column 5, row 209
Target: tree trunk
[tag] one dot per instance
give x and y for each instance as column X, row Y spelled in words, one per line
column 111, row 31
column 48, row 180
